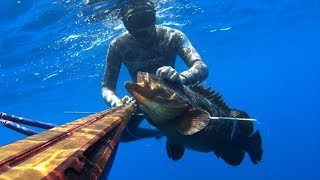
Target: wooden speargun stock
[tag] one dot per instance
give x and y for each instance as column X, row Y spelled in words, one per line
column 81, row 149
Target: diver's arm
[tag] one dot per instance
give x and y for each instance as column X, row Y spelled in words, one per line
column 111, row 74
column 198, row 70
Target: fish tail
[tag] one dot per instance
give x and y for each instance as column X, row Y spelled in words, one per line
column 254, row 147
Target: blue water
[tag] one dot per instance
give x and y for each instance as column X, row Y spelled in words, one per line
column 263, row 57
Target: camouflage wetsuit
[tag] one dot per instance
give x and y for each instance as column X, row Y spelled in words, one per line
column 138, row 56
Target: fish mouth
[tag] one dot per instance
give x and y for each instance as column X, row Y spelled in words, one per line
column 141, row 90
column 157, row 100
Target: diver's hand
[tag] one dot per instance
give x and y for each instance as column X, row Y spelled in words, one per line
column 110, row 97
column 167, row 72
column 126, row 99
column 115, row 103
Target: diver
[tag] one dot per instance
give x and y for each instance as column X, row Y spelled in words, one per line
column 150, row 48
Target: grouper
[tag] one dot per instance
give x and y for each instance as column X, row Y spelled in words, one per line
column 196, row 118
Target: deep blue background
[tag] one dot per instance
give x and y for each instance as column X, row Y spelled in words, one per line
column 263, row 58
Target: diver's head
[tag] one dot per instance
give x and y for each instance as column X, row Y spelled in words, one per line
column 139, row 18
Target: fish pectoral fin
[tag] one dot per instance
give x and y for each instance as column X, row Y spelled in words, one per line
column 174, row 151
column 193, row 121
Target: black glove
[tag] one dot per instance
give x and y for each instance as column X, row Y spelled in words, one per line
column 167, row 72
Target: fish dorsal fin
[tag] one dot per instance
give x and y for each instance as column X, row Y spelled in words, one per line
column 211, row 95
column 193, row 121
